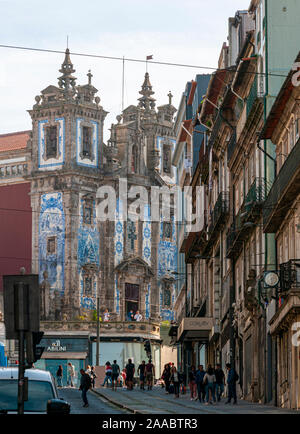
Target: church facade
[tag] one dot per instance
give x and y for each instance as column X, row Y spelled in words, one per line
column 128, row 263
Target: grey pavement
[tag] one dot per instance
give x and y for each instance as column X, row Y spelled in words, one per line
column 97, row 405
column 156, row 401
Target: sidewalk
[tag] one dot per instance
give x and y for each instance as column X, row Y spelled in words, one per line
column 156, row 401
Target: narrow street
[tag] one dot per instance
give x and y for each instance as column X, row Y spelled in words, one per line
column 157, row 402
column 97, row 405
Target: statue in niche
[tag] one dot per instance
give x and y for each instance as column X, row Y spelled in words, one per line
column 45, row 297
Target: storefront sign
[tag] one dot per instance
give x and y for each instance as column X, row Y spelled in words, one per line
column 56, row 347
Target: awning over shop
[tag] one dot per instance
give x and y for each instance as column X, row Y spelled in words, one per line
column 64, row 355
column 195, row 328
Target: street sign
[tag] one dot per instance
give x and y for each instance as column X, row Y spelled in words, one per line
column 21, row 304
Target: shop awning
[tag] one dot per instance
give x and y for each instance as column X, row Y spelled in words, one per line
column 64, row 355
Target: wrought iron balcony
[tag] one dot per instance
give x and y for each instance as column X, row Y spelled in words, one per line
column 221, row 210
column 249, row 212
column 284, row 191
column 290, row 275
column 231, row 146
column 252, row 97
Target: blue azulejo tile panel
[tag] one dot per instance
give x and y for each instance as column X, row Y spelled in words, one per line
column 90, row 158
column 117, row 296
column 119, row 233
column 148, row 302
column 52, row 240
column 57, row 161
column 88, row 257
column 147, row 235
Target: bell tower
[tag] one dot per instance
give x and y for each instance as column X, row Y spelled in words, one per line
column 67, row 165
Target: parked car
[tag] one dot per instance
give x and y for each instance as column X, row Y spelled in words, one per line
column 42, row 393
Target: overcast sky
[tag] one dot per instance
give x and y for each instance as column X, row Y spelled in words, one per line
column 189, row 31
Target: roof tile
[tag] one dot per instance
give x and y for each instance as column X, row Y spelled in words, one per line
column 14, row 141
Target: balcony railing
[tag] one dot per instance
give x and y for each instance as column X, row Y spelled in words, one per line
column 252, row 97
column 283, row 192
column 231, row 146
column 221, row 209
column 290, row 275
column 111, row 327
column 249, row 212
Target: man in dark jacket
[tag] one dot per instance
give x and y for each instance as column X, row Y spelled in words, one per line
column 199, row 381
column 220, row 381
column 85, row 385
column 231, row 381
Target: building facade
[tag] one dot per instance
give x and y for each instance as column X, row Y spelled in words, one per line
column 128, row 260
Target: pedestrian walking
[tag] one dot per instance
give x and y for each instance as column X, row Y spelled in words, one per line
column 220, row 381
column 142, row 373
column 210, row 380
column 93, row 376
column 106, row 316
column 138, row 317
column 232, row 378
column 108, row 372
column 166, row 376
column 192, row 383
column 182, row 382
column 123, row 374
column 115, row 372
column 59, row 376
column 175, row 379
column 200, row 373
column 150, row 372
column 71, row 375
column 130, row 370
column 85, row 385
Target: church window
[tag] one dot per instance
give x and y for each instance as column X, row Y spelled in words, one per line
column 88, row 285
column 167, row 230
column 87, row 215
column 167, row 159
column 51, row 245
column 51, row 142
column 131, row 234
column 167, row 296
column 86, row 142
column 134, row 159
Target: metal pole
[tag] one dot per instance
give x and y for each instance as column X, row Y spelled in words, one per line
column 21, row 373
column 123, row 83
column 98, row 332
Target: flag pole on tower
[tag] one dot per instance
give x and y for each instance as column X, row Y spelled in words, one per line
column 148, row 58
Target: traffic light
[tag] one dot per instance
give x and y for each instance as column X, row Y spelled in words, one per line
column 33, row 350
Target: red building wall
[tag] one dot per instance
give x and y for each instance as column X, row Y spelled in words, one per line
column 15, row 229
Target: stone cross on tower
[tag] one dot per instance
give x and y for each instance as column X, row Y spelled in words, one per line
column 170, row 97
column 90, row 75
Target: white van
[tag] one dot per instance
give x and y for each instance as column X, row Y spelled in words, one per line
column 42, row 392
